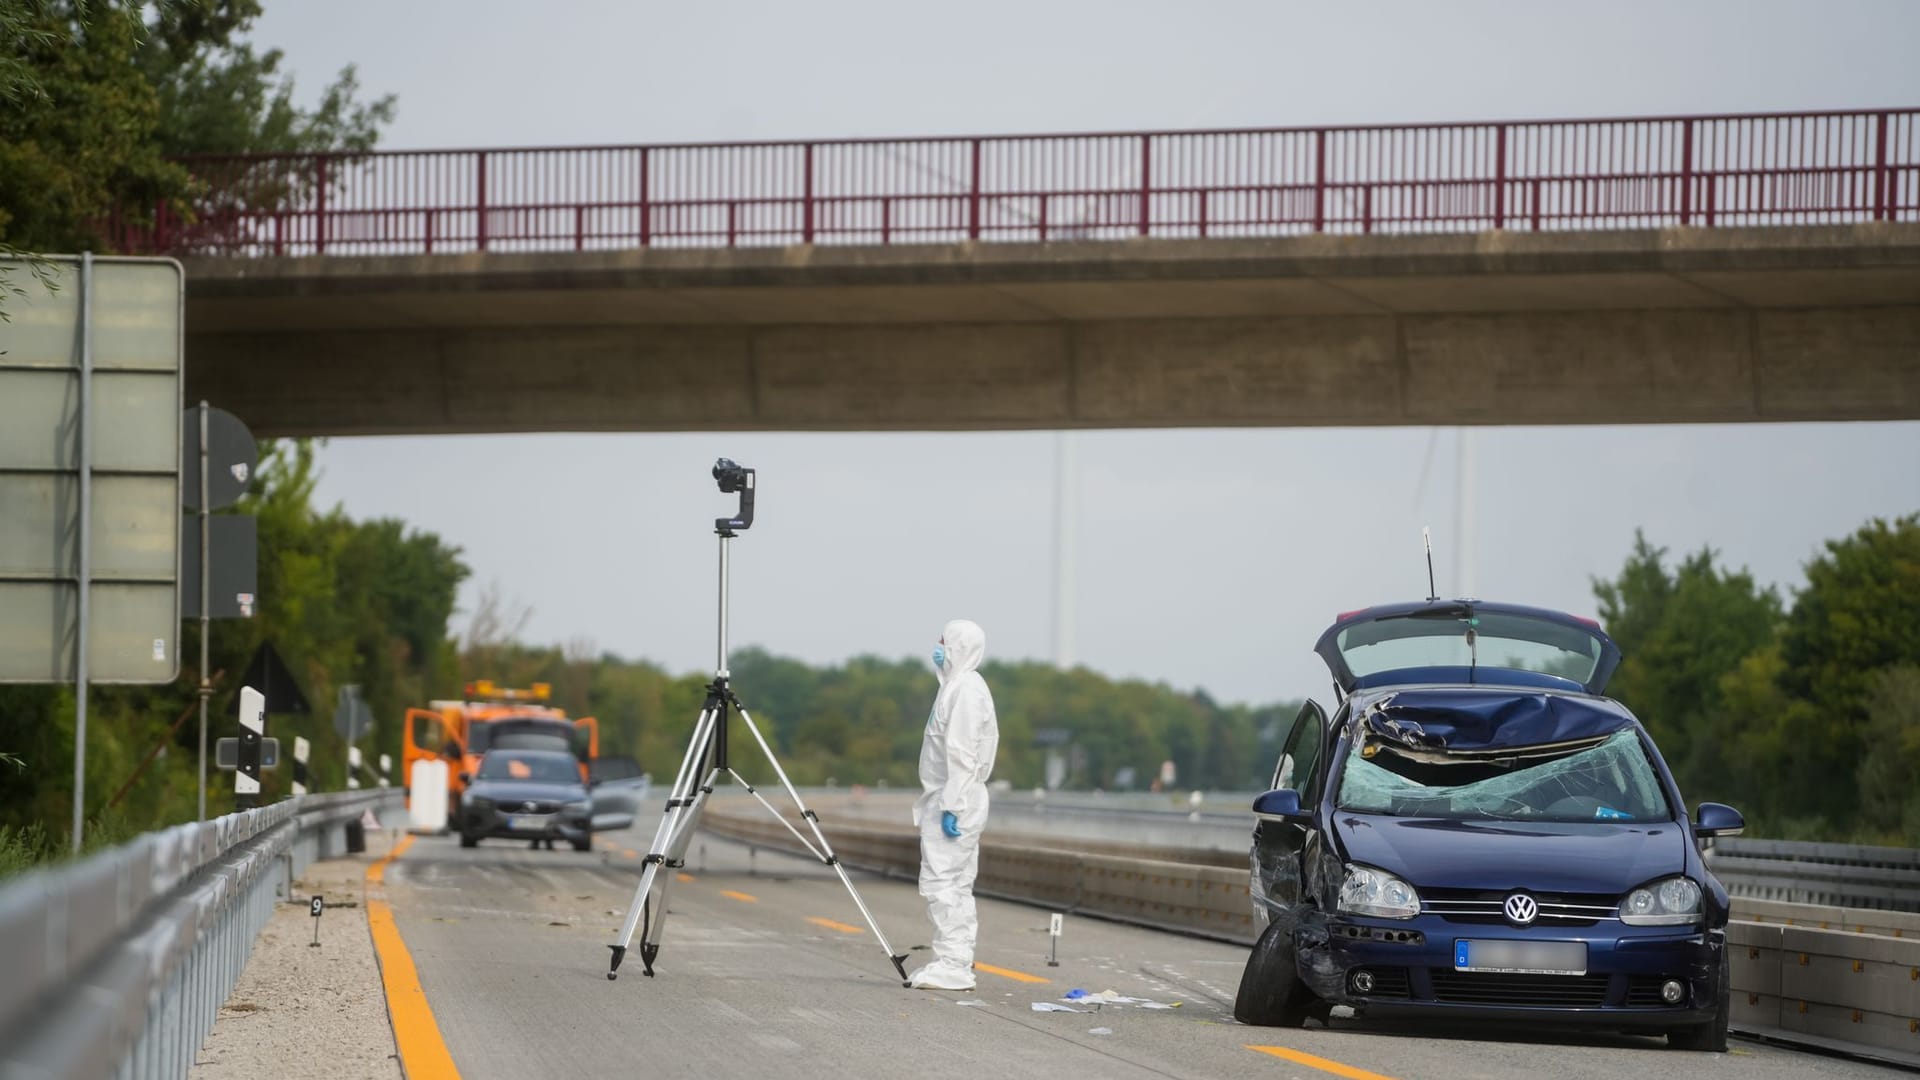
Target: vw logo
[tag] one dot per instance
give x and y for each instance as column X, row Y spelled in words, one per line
column 530, row 807
column 1521, row 909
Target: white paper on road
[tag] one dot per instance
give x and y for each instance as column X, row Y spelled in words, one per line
column 1048, row 1006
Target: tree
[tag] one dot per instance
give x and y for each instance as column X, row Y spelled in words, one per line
column 1858, row 616
column 1679, row 633
column 95, row 105
column 1890, row 761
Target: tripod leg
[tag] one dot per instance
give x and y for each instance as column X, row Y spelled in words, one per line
column 813, row 821
column 675, row 858
column 679, row 799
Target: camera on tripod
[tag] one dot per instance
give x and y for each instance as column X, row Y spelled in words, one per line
column 732, row 477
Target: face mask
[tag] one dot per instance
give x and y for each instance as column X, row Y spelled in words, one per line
column 940, row 656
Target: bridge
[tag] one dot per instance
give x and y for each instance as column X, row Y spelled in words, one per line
column 1711, row 268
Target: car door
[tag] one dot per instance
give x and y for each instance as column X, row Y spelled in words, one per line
column 1278, row 845
column 618, row 788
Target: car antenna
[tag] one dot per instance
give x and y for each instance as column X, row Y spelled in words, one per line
column 1433, row 592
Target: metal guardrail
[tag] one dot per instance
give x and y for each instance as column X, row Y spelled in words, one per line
column 1837, row 977
column 1850, row 875
column 1608, row 173
column 116, row 965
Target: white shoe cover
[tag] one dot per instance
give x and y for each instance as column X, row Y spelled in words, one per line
column 941, row 976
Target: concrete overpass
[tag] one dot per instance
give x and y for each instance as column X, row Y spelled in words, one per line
column 1658, row 325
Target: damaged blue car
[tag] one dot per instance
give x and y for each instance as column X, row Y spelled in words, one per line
column 1478, row 833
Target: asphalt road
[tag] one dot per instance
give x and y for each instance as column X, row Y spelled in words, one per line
column 766, row 971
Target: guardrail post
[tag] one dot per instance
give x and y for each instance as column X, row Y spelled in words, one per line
column 320, row 206
column 1146, row 184
column 806, row 227
column 1882, row 195
column 1320, row 181
column 1686, row 173
column 1500, row 177
column 973, row 196
column 480, row 200
column 646, row 201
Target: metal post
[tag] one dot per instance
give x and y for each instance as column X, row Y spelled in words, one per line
column 480, row 201
column 1686, row 173
column 206, row 618
column 646, row 205
column 973, row 196
column 720, row 665
column 80, row 648
column 1066, row 486
column 1463, row 558
column 1882, row 186
column 1500, row 177
column 1319, row 181
column 1146, row 184
column 806, row 206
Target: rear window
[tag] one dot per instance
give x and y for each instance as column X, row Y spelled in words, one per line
column 1498, row 640
column 545, row 768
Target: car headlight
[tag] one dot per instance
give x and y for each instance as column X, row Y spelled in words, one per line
column 1671, row 901
column 580, row 807
column 475, row 802
column 1366, row 891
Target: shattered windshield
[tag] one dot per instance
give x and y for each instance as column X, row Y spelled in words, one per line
column 1607, row 779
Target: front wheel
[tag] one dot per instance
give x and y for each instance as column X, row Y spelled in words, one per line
column 1712, row 1035
column 467, row 839
column 1271, row 993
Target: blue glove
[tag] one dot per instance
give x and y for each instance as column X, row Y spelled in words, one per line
column 949, row 824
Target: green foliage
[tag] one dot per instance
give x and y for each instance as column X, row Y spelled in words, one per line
column 341, row 601
column 1809, row 721
column 1679, row 632
column 1889, row 772
column 77, row 135
column 95, row 104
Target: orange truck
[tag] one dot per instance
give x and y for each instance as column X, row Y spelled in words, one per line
column 489, row 717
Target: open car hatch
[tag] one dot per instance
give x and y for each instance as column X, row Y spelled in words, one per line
column 1467, row 642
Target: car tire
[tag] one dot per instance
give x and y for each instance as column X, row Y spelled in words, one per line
column 469, row 840
column 1712, row 1035
column 1271, row 993
column 583, row 845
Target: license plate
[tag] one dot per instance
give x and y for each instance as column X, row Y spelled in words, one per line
column 519, row 822
column 1521, row 957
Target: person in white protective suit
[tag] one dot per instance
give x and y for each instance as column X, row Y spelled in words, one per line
column 956, row 757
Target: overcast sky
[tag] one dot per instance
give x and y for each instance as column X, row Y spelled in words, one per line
column 867, row 543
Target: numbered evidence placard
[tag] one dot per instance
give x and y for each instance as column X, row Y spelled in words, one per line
column 133, row 476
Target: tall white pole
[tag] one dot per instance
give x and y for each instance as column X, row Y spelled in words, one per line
column 206, row 614
column 1066, row 485
column 1463, row 555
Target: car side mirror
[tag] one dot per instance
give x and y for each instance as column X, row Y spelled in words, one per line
column 1280, row 804
column 1718, row 819
column 466, row 778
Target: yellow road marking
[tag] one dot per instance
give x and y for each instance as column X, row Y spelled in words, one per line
column 1008, row 973
column 423, row 1053
column 630, row 853
column 831, row 925
column 684, row 877
column 1301, row 1058
column 740, row 896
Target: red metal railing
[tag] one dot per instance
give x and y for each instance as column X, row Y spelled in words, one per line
column 1561, row 174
